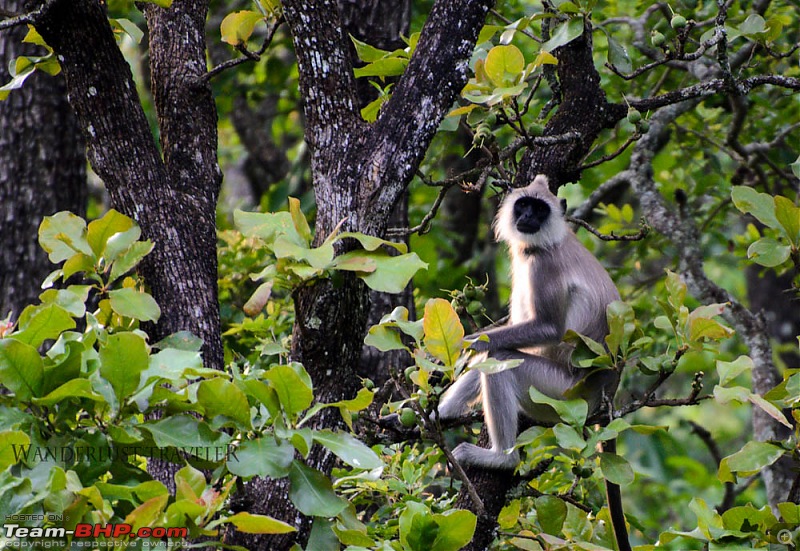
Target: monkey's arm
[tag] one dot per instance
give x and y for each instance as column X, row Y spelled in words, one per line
column 547, row 325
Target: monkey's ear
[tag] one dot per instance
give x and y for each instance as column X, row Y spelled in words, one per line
column 564, row 206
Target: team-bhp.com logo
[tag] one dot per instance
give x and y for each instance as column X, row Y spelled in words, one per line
column 91, row 531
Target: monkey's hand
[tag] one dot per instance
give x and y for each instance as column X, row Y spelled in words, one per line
column 480, row 342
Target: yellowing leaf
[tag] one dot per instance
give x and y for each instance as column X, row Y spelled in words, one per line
column 503, row 64
column 443, row 331
column 238, row 26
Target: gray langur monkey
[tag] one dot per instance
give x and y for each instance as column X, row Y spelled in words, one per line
column 557, row 285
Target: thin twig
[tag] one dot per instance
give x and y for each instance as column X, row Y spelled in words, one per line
column 631, row 139
column 247, row 55
column 438, row 437
column 638, row 236
column 25, row 18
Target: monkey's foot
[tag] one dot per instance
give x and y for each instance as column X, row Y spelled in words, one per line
column 475, row 456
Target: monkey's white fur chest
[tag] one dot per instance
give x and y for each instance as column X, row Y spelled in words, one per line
column 522, row 295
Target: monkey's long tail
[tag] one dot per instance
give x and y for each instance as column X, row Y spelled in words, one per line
column 614, row 499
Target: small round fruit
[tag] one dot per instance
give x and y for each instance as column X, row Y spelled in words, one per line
column 407, row 417
column 490, row 119
column 634, row 116
column 678, row 22
column 409, row 371
column 643, row 126
column 657, row 39
column 385, row 410
column 368, row 384
column 536, row 129
column 474, row 308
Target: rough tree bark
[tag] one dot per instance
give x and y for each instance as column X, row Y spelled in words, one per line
column 173, row 199
column 380, row 23
column 359, row 172
column 42, row 170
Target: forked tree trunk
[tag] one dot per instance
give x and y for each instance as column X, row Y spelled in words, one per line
column 359, row 171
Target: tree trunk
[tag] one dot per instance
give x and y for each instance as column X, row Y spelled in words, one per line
column 380, row 23
column 174, row 199
column 42, row 170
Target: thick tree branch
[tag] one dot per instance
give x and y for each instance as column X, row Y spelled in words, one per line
column 435, row 75
column 326, row 74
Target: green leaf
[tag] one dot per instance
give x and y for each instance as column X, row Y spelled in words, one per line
column 509, row 515
column 567, row 437
column 266, row 226
column 261, row 457
column 371, row 243
column 753, row 25
column 72, row 299
column 751, row 459
column 19, row 77
column 384, row 338
column 185, row 431
column 63, row 235
column 237, row 27
column 564, row 33
column 392, row 273
column 299, row 220
column 621, row 325
column 551, row 513
column 312, row 492
column 129, row 27
column 456, row 528
column 135, row 304
column 796, row 168
column 491, row 365
column 294, row 393
column 44, row 322
column 387, row 67
column 122, row 360
column 615, row 469
column 443, row 331
column 618, row 56
column 21, row 369
column 789, row 217
column 129, row 259
column 573, row 412
column 101, row 230
column 120, row 242
column 768, row 252
column 760, row 205
column 366, row 52
column 350, row 450
column 728, row 371
column 504, row 64
column 11, row 444
column 75, row 388
column 259, row 524
column 221, row 397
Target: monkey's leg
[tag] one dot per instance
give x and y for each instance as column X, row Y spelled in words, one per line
column 459, row 397
column 500, row 408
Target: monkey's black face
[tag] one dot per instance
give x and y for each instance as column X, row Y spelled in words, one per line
column 530, row 214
